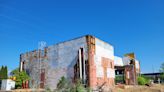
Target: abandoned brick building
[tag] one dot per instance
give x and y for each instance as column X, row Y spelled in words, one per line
column 127, row 69
column 87, row 58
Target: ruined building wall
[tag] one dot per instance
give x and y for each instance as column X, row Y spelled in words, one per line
column 62, row 58
column 87, row 58
column 59, row 61
column 31, row 63
column 132, row 70
column 130, row 75
column 101, row 63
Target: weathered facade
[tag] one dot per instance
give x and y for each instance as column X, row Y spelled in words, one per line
column 127, row 69
column 86, row 58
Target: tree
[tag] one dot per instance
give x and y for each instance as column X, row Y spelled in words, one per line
column 162, row 68
column 20, row 77
column 3, row 73
column 162, row 71
column 162, row 76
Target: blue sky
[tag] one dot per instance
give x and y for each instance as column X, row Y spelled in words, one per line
column 129, row 25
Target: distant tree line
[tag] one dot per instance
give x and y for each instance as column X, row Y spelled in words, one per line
column 3, row 72
column 162, row 71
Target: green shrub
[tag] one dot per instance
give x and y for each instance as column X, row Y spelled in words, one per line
column 20, row 77
column 48, row 90
column 63, row 85
column 162, row 76
column 66, row 86
column 79, row 87
column 119, row 79
column 142, row 80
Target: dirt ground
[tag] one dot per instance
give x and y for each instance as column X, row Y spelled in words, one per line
column 153, row 88
column 26, row 90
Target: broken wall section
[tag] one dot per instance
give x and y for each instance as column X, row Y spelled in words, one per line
column 34, row 63
column 101, row 63
column 46, row 67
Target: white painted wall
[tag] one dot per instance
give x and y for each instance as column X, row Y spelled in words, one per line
column 126, row 60
column 103, row 50
column 110, row 73
column 118, row 61
column 7, row 85
column 137, row 64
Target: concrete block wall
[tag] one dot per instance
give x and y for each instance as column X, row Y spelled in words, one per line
column 59, row 60
column 62, row 58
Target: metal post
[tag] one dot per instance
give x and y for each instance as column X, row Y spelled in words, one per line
column 84, row 71
column 80, row 65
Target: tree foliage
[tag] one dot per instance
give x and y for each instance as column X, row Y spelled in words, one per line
column 162, row 68
column 162, row 76
column 20, row 77
column 162, row 71
column 3, row 72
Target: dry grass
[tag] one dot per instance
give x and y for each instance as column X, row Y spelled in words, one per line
column 28, row 90
column 154, row 88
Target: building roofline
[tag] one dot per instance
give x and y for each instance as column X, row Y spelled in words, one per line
column 68, row 41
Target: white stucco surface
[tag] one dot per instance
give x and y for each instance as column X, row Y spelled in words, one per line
column 103, row 50
column 118, row 61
